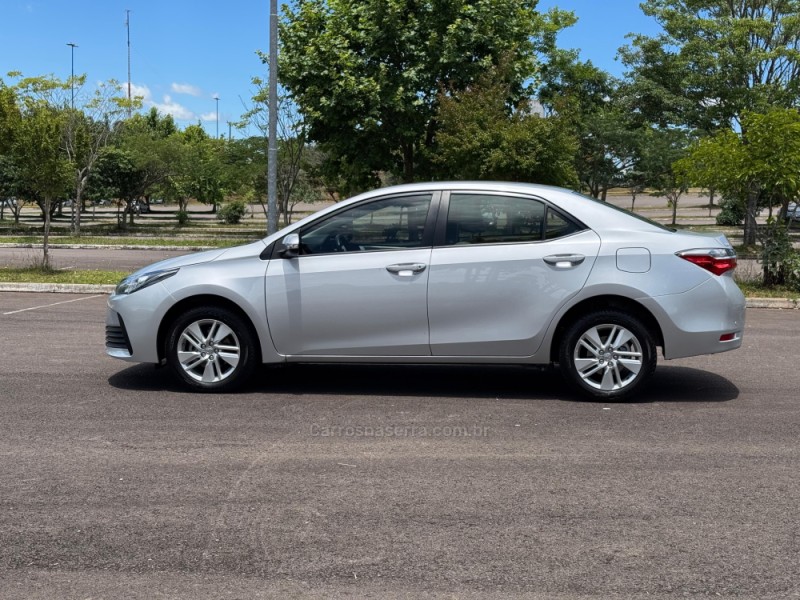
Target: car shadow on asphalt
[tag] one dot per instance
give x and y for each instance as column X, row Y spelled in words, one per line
column 668, row 384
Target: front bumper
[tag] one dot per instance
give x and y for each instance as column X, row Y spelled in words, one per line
column 118, row 344
column 132, row 322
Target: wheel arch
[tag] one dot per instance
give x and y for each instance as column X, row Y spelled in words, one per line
column 605, row 302
column 203, row 300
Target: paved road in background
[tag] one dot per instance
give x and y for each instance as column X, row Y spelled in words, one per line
column 107, row 259
column 341, row 482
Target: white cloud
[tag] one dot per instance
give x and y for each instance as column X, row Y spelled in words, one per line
column 185, row 88
column 209, row 116
column 140, row 91
column 169, row 107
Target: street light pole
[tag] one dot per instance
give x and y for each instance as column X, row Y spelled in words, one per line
column 128, row 28
column 72, row 72
column 272, row 149
column 74, row 215
column 216, row 97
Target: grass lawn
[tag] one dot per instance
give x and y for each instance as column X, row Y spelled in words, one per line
column 756, row 290
column 36, row 275
column 129, row 241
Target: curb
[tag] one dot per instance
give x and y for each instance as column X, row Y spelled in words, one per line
column 85, row 288
column 185, row 249
column 779, row 303
column 62, row 288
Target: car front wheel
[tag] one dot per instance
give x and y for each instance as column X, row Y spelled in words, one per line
column 607, row 355
column 211, row 349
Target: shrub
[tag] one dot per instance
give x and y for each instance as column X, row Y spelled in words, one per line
column 232, row 212
column 780, row 261
column 731, row 213
column 183, row 217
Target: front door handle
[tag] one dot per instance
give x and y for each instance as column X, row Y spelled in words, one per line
column 407, row 269
column 564, row 261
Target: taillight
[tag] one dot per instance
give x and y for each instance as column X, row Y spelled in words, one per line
column 715, row 260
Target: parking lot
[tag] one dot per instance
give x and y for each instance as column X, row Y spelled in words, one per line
column 391, row 482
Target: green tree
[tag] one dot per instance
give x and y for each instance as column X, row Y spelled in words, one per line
column 9, row 122
column 292, row 138
column 660, row 148
column 33, row 122
column 40, row 161
column 366, row 74
column 245, row 168
column 594, row 102
column 200, row 170
column 89, row 130
column 764, row 159
column 481, row 137
column 116, row 176
column 715, row 61
column 152, row 144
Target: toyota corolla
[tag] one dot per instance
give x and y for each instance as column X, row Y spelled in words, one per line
column 467, row 272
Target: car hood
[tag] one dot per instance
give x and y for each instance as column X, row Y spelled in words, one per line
column 197, row 258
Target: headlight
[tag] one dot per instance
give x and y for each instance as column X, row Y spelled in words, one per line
column 131, row 284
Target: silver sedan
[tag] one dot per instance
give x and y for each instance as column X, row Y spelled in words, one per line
column 467, row 272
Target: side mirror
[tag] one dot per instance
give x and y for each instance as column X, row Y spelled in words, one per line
column 291, row 245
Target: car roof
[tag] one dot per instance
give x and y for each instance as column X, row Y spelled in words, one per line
column 476, row 186
column 590, row 211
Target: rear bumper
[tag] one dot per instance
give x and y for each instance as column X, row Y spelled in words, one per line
column 694, row 322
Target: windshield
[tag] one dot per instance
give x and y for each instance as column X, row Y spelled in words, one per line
column 627, row 212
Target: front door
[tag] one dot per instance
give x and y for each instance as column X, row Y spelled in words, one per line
column 359, row 285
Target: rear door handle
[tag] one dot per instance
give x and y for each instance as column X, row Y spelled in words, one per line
column 564, row 261
column 407, row 269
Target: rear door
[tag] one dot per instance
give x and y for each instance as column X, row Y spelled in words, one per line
column 501, row 268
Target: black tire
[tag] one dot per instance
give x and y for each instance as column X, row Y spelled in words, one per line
column 211, row 349
column 596, row 367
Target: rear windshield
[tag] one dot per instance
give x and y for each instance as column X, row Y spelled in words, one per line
column 627, row 212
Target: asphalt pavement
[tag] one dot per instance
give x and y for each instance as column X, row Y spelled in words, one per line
column 103, row 259
column 391, row 482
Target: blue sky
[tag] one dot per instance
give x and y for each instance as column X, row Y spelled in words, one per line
column 186, row 52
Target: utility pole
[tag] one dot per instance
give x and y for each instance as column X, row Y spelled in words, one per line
column 74, row 216
column 229, row 130
column 128, row 27
column 272, row 149
column 216, row 97
column 72, row 73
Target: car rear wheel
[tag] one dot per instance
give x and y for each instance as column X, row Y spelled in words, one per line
column 607, row 355
column 211, row 349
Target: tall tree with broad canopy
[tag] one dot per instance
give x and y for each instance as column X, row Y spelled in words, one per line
column 482, row 137
column 34, row 120
column 40, row 161
column 366, row 74
column 609, row 133
column 714, row 61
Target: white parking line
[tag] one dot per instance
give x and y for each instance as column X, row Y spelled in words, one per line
column 13, row 312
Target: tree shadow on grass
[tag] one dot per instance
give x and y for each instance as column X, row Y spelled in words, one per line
column 668, row 384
